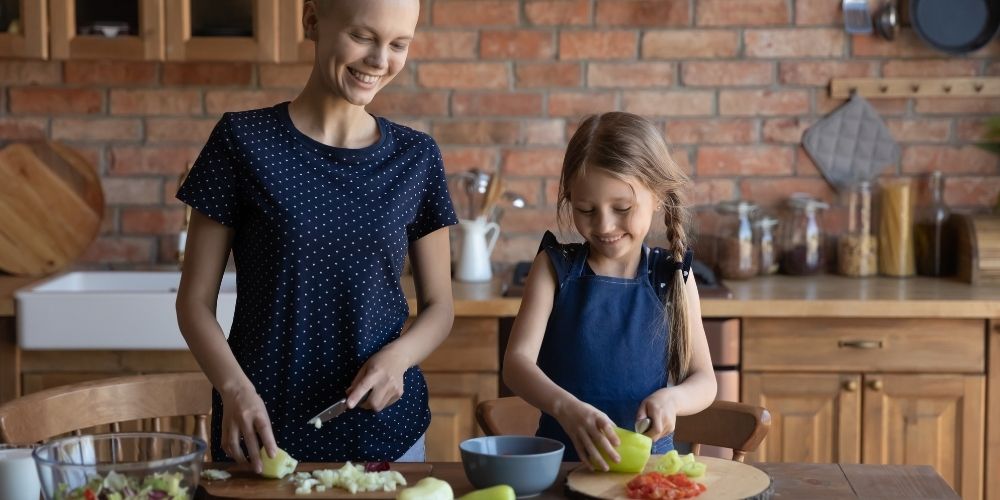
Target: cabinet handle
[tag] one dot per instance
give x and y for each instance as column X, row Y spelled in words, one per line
column 860, row 344
column 876, row 385
column 851, row 385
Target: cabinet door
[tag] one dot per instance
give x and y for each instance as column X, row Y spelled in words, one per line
column 814, row 418
column 23, row 30
column 453, row 399
column 72, row 19
column 928, row 419
column 293, row 46
column 217, row 39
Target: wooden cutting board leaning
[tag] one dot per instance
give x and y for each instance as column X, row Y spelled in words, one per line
column 52, row 206
column 245, row 484
column 723, row 479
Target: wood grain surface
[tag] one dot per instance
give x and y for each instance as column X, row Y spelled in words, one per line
column 248, row 485
column 724, row 479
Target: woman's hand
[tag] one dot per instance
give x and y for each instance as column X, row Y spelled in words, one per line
column 383, row 375
column 661, row 408
column 591, row 432
column 245, row 417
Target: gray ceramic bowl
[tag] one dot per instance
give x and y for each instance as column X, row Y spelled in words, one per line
column 528, row 464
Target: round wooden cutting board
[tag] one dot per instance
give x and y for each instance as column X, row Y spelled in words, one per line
column 723, row 479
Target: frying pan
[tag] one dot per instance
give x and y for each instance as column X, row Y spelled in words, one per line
column 955, row 26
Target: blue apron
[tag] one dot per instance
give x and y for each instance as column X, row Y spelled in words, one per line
column 606, row 340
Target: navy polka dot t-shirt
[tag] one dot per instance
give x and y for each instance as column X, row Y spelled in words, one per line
column 320, row 236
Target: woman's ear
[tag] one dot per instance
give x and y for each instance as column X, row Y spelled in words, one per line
column 310, row 19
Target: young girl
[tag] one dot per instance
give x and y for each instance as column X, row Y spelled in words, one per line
column 319, row 201
column 609, row 331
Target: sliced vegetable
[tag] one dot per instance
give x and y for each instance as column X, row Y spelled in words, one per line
column 655, row 486
column 694, row 469
column 634, row 450
column 498, row 492
column 215, row 474
column 428, row 488
column 670, row 463
column 279, row 466
column 350, row 477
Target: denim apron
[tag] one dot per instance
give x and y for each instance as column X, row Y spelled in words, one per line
column 605, row 341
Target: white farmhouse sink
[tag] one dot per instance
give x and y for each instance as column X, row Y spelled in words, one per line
column 109, row 310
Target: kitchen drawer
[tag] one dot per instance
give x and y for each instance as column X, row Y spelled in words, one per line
column 870, row 345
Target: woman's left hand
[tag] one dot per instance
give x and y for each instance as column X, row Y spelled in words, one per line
column 661, row 409
column 383, row 375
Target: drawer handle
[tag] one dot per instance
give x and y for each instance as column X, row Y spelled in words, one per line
column 860, row 344
column 850, row 386
column 876, row 385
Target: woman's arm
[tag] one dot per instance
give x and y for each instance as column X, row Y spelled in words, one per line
column 430, row 259
column 206, row 253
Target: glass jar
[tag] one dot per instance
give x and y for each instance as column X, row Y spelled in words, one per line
column 736, row 255
column 767, row 244
column 932, row 234
column 857, row 249
column 803, row 237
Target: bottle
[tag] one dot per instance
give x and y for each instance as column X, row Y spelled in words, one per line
column 857, row 249
column 736, row 256
column 803, row 237
column 933, row 238
column 767, row 242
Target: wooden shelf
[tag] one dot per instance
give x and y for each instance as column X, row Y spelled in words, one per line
column 842, row 88
column 32, row 40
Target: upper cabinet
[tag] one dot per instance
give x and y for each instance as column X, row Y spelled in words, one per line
column 292, row 43
column 222, row 30
column 23, row 29
column 92, row 29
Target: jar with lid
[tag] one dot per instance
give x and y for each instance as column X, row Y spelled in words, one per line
column 803, row 236
column 736, row 255
column 857, row 249
column 932, row 234
column 767, row 244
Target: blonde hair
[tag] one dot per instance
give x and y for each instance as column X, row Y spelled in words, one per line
column 628, row 146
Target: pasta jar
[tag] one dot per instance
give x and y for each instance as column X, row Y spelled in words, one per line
column 736, row 253
column 857, row 249
column 803, row 236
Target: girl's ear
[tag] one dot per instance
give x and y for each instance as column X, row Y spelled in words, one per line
column 310, row 19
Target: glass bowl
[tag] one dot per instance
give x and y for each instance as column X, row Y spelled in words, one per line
column 136, row 465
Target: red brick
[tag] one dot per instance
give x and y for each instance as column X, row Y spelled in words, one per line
column 119, row 250
column 931, row 68
column 416, row 124
column 517, row 44
column 804, row 164
column 544, row 162
column 551, row 191
column 109, row 72
column 103, row 129
column 712, row 191
column 971, row 129
column 482, row 132
column 957, row 105
column 285, row 75
column 132, row 190
column 530, row 220
column 194, row 130
column 684, row 44
column 971, row 192
column 885, row 107
column 742, row 13
column 610, row 44
column 167, row 249
column 785, row 130
column 763, row 102
column 818, row 13
column 515, row 248
column 528, row 189
column 92, row 155
column 949, row 159
column 819, row 73
column 220, row 101
column 492, row 75
column 630, row 74
column 682, row 157
column 906, row 44
column 557, row 12
column 716, row 161
column 802, row 42
column 496, row 104
column 734, row 73
column 580, row 103
column 547, row 75
column 139, row 160
column 919, row 130
column 407, row 103
column 109, row 223
column 461, row 159
column 155, row 102
column 475, row 13
column 16, row 72
column 152, row 220
column 17, row 128
column 711, row 131
column 993, row 68
column 437, row 45
column 543, row 132
column 775, row 192
column 207, row 73
column 405, row 78
column 57, row 101
column 170, row 192
column 669, row 103
column 643, row 13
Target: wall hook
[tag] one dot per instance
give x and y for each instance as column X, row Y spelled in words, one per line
column 883, row 88
column 914, row 88
column 947, row 89
column 978, row 87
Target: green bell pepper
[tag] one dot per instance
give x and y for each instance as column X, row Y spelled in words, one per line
column 498, row 492
column 634, row 450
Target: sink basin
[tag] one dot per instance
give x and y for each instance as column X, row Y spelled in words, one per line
column 109, row 310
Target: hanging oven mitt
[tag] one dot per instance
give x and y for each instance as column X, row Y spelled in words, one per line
column 851, row 144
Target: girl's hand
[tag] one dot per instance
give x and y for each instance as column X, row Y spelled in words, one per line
column 661, row 409
column 383, row 375
column 245, row 417
column 591, row 432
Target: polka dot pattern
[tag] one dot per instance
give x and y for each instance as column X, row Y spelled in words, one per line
column 320, row 237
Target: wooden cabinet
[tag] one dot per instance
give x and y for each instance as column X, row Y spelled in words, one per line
column 259, row 44
column 142, row 36
column 292, row 43
column 24, row 33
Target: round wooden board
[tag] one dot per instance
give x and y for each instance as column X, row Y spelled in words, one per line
column 723, row 479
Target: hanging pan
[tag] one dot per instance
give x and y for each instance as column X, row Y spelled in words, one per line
column 955, row 26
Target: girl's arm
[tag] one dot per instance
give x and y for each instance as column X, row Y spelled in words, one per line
column 587, row 427
column 430, row 259
column 206, row 253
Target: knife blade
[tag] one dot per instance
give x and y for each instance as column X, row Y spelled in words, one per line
column 334, row 411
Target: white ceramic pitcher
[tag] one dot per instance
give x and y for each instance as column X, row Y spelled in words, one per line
column 478, row 239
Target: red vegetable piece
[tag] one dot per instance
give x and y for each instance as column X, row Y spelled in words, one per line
column 376, row 466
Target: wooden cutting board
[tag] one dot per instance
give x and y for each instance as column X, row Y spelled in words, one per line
column 52, row 205
column 248, row 485
column 724, row 479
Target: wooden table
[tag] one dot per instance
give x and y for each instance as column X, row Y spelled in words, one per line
column 791, row 481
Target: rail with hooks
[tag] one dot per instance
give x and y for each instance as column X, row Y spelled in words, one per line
column 874, row 88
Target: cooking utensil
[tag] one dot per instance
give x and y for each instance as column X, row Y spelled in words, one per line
column 723, row 479
column 856, row 17
column 336, row 409
column 642, row 425
column 887, row 20
column 955, row 26
column 493, row 190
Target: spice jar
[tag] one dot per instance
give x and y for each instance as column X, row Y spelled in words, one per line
column 803, row 236
column 736, row 255
column 767, row 244
column 857, row 250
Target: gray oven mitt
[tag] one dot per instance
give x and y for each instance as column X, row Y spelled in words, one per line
column 851, row 144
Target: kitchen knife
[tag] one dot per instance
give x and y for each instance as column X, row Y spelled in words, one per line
column 334, row 410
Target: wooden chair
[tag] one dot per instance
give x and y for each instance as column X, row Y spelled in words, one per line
column 740, row 427
column 149, row 401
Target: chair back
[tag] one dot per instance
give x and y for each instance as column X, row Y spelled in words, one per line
column 738, row 426
column 181, row 402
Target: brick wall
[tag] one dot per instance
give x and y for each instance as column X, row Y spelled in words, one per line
column 502, row 83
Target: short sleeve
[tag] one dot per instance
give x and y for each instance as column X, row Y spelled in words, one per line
column 560, row 255
column 212, row 186
column 663, row 268
column 435, row 209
